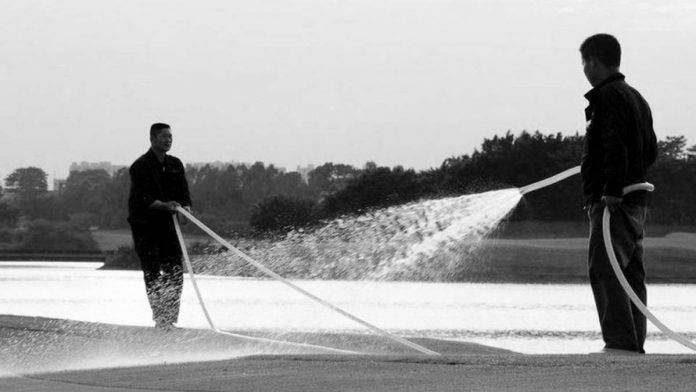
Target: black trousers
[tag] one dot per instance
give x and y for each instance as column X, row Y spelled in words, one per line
column 623, row 325
column 160, row 257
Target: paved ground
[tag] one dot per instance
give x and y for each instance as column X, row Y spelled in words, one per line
column 411, row 373
column 35, row 353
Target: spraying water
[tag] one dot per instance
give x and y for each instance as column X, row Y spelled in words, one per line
column 425, row 240
column 394, row 243
column 432, row 240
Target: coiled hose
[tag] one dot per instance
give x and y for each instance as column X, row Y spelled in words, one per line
column 606, row 218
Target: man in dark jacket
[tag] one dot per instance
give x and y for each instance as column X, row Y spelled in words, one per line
column 158, row 187
column 620, row 145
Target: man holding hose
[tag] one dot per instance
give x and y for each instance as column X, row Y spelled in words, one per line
column 620, row 145
column 158, row 187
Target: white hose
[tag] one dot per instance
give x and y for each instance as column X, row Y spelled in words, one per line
column 551, row 180
column 189, row 267
column 622, row 279
column 279, row 278
column 610, row 250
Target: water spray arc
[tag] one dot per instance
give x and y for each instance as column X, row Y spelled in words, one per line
column 606, row 218
column 279, row 278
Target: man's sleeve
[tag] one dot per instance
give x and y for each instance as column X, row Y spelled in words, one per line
column 141, row 185
column 185, row 194
column 610, row 113
column 651, row 144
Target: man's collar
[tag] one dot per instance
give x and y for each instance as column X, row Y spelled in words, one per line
column 153, row 157
column 614, row 77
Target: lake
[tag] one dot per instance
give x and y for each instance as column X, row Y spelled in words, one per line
column 528, row 318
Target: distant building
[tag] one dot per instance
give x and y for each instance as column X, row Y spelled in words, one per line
column 59, row 185
column 106, row 166
column 304, row 171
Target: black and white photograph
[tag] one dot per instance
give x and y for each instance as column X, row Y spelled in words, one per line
column 347, row 195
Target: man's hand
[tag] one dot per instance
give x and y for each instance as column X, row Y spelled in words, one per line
column 169, row 206
column 172, row 206
column 612, row 202
column 182, row 218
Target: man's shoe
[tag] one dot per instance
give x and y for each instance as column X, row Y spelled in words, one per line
column 617, row 351
column 164, row 326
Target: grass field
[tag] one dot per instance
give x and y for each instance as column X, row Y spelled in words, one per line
column 669, row 259
column 564, row 229
column 556, row 252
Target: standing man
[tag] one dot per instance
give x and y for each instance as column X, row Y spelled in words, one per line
column 620, row 145
column 158, row 187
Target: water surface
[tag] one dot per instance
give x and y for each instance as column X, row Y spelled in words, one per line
column 529, row 318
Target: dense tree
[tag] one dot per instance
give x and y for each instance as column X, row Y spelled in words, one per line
column 281, row 213
column 229, row 198
column 672, row 175
column 369, row 165
column 204, row 184
column 514, row 160
column 229, row 187
column 217, row 196
column 329, row 178
column 28, row 181
column 224, row 197
column 31, row 197
column 113, row 211
column 84, row 191
column 511, row 161
column 691, row 152
column 47, row 206
column 41, row 235
column 258, row 182
column 672, row 148
column 8, row 215
column 375, row 188
column 291, row 184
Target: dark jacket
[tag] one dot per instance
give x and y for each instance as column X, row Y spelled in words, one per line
column 620, row 143
column 152, row 180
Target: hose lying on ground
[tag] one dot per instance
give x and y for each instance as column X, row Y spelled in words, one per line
column 606, row 217
column 214, row 328
column 279, row 278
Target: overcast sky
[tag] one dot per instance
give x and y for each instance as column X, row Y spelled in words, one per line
column 293, row 82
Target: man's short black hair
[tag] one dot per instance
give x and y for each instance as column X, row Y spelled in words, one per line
column 157, row 127
column 603, row 47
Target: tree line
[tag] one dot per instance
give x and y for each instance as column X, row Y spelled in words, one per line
column 501, row 162
column 261, row 198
